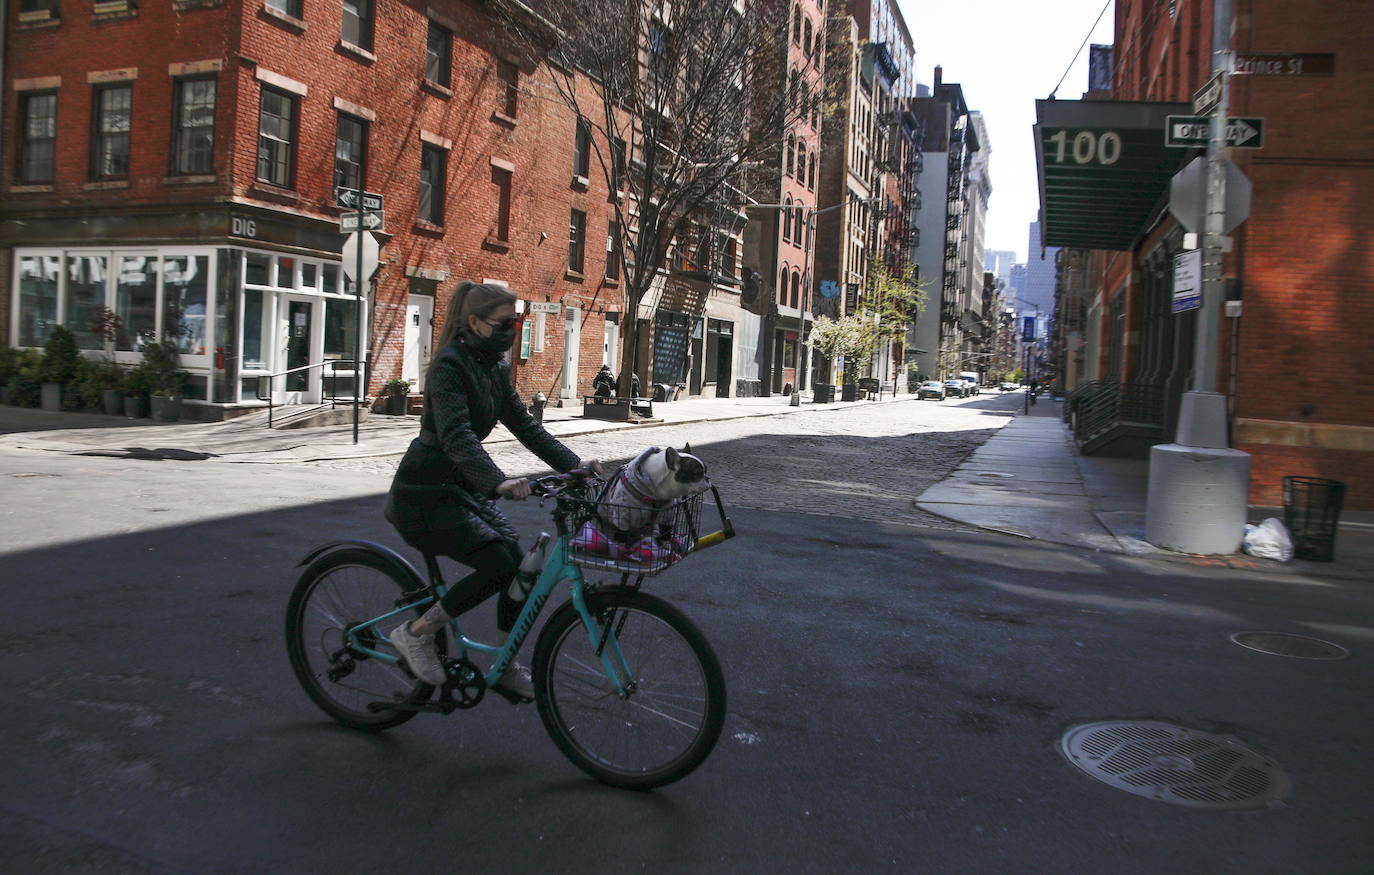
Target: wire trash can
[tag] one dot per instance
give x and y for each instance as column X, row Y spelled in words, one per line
column 1312, row 512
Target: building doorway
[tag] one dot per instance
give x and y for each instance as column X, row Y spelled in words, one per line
column 572, row 339
column 418, row 339
column 300, row 347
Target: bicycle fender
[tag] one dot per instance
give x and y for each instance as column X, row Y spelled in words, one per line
column 398, row 563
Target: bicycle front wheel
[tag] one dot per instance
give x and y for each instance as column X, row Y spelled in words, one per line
column 669, row 714
column 338, row 593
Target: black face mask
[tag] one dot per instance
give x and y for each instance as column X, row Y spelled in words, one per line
column 497, row 342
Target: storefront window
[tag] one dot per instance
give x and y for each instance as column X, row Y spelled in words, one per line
column 37, row 298
column 340, row 328
column 331, row 279
column 286, row 273
column 185, row 281
column 308, row 274
column 252, row 330
column 85, row 297
column 255, row 269
column 136, row 301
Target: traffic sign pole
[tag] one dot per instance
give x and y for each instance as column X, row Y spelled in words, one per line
column 359, row 390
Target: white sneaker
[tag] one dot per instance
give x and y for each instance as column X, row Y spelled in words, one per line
column 419, row 653
column 516, row 683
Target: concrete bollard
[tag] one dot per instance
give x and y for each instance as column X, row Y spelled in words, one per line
column 538, row 401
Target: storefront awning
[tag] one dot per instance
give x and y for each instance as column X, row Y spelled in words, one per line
column 1104, row 169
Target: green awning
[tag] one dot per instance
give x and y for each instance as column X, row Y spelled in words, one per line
column 1104, row 169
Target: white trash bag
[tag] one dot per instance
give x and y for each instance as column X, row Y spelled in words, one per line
column 1269, row 540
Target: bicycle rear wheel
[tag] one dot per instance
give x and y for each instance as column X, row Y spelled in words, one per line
column 673, row 709
column 337, row 592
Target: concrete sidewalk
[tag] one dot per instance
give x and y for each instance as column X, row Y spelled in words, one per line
column 247, row 438
column 1029, row 480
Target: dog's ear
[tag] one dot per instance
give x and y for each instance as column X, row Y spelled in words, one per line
column 687, row 448
column 671, row 456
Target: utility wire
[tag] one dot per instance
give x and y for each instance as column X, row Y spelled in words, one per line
column 1080, row 49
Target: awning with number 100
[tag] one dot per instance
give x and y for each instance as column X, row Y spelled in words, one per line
column 1104, row 169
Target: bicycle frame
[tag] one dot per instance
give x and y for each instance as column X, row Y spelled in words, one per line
column 556, row 570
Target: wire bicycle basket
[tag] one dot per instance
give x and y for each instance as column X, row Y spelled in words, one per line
column 639, row 539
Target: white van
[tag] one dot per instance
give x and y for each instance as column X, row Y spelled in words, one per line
column 971, row 378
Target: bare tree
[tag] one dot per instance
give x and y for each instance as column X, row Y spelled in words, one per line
column 684, row 98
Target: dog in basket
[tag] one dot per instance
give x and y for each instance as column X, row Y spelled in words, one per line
column 627, row 512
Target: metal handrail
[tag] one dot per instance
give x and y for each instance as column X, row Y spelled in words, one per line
column 333, row 383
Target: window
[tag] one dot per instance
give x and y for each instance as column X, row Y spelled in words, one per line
column 787, row 221
column 185, row 280
column 782, row 286
column 800, row 171
column 790, row 156
column 112, row 108
column 658, row 47
column 286, row 7
column 432, row 167
column 350, row 152
column 438, row 51
column 582, row 149
column 194, row 127
column 357, row 23
column 86, row 276
column 52, row 7
column 502, row 180
column 796, row 24
column 577, row 241
column 728, row 255
column 811, row 172
column 617, row 166
column 509, row 76
column 796, row 290
column 38, row 129
column 276, row 137
column 806, row 38
column 613, row 250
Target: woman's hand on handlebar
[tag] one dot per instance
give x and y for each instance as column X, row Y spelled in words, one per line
column 597, row 467
column 517, row 489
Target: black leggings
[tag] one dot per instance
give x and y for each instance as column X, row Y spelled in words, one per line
column 493, row 564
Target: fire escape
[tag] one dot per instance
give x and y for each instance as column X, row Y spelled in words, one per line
column 954, row 220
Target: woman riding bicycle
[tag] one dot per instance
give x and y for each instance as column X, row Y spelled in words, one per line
column 441, row 499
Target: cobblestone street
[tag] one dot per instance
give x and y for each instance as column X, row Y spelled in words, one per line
column 863, row 462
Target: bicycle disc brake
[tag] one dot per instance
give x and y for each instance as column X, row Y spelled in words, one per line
column 465, row 685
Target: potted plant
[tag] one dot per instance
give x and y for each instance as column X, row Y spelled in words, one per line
column 25, row 384
column 97, row 385
column 9, row 369
column 134, row 387
column 60, row 355
column 165, row 379
column 107, row 326
column 397, row 397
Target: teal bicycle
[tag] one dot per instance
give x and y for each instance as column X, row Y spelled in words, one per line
column 626, row 685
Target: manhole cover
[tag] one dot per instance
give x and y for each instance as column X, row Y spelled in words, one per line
column 1174, row 764
column 998, row 474
column 1284, row 644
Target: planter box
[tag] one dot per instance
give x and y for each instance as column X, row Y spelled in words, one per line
column 824, row 393
column 112, row 402
column 166, row 408
column 135, row 407
column 396, row 405
column 849, row 392
column 52, row 396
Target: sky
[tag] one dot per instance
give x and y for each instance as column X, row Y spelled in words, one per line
column 1007, row 54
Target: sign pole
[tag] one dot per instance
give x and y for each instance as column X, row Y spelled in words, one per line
column 358, row 390
column 1199, row 487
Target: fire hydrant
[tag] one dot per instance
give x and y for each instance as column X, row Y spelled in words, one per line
column 537, row 404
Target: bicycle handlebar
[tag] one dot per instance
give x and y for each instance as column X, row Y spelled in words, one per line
column 553, row 484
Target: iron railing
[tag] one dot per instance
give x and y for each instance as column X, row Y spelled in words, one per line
column 1100, row 405
column 332, row 399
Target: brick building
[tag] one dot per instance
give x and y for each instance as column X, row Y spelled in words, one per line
column 1294, row 363
column 177, row 163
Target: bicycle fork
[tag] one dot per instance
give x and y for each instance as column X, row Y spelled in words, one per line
column 603, row 633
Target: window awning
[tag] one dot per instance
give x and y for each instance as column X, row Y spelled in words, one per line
column 1104, row 169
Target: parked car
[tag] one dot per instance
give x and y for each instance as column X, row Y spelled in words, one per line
column 955, row 388
column 931, row 389
column 971, row 379
column 1009, row 387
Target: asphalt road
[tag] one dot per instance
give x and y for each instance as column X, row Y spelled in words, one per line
column 897, row 694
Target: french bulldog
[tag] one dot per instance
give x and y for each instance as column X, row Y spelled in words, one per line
column 651, row 481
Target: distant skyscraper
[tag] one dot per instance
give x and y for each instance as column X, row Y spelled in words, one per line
column 1038, row 288
column 999, row 262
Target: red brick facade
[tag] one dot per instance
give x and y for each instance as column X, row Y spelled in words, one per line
column 1304, row 367
column 256, row 47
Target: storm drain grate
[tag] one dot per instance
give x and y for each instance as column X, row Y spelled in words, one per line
column 1284, row 644
column 1174, row 764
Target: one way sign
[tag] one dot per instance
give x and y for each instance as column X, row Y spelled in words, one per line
column 1193, row 130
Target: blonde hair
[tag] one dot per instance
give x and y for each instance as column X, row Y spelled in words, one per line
column 472, row 299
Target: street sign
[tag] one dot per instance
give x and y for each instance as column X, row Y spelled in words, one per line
column 851, row 297
column 1188, row 195
column 1187, row 280
column 1028, row 329
column 1208, row 96
column 545, row 307
column 1195, row 130
column 348, row 222
column 371, row 251
column 1284, row 64
column 348, row 198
